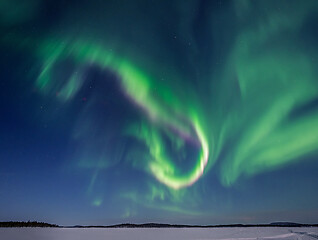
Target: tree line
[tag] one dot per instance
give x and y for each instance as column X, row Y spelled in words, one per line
column 26, row 224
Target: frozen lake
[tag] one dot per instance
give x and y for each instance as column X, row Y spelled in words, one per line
column 158, row 233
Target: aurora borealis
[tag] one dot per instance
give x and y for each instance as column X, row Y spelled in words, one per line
column 201, row 112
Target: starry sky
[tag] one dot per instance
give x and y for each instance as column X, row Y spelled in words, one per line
column 190, row 112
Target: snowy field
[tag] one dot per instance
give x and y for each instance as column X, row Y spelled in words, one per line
column 156, row 233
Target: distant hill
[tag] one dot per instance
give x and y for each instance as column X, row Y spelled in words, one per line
column 154, row 225
column 26, row 224
column 161, row 225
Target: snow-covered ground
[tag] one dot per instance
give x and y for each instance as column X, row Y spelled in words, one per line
column 270, row 233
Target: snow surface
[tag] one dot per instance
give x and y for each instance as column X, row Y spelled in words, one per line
column 270, row 233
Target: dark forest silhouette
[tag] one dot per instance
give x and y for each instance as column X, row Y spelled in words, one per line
column 153, row 225
column 26, row 224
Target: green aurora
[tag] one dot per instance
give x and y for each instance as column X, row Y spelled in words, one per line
column 267, row 97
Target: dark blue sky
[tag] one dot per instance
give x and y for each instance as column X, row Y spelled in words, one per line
column 202, row 112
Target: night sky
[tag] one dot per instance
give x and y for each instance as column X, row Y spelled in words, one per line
column 190, row 112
